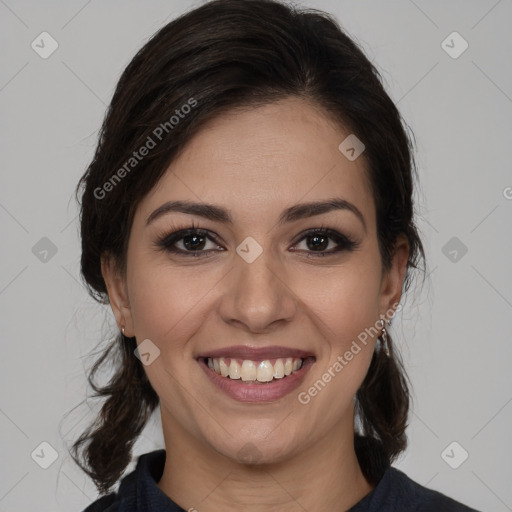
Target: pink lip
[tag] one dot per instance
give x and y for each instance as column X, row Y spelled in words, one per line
column 256, row 353
column 261, row 392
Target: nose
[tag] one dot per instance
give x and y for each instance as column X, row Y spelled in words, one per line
column 257, row 296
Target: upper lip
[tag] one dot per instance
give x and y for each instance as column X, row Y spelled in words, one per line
column 257, row 353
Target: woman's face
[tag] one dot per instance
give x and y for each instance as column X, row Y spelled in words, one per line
column 259, row 281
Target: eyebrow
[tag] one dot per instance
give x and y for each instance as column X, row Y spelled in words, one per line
column 294, row 213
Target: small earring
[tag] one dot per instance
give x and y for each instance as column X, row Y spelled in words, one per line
column 384, row 339
column 122, row 330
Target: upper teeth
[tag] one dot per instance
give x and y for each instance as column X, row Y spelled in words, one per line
column 263, row 371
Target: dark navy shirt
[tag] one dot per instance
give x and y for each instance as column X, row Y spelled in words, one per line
column 394, row 492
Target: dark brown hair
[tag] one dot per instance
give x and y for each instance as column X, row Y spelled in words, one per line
column 219, row 56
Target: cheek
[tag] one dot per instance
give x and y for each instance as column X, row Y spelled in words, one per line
column 346, row 307
column 165, row 299
column 346, row 324
column 345, row 299
column 169, row 303
column 168, row 306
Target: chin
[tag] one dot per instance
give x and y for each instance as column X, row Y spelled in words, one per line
column 253, row 452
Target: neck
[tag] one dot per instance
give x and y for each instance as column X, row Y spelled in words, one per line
column 326, row 476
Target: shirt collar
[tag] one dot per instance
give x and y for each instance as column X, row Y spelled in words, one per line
column 141, row 491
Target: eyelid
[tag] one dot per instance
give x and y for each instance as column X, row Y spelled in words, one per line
column 344, row 242
column 166, row 242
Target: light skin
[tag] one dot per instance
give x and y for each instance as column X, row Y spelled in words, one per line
column 256, row 163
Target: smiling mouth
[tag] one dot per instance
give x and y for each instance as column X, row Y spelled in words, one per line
column 255, row 371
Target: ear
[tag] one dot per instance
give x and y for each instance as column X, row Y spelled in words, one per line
column 118, row 294
column 393, row 278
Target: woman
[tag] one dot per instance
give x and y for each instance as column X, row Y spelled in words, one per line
column 248, row 216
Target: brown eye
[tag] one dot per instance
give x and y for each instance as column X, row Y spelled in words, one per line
column 194, row 242
column 188, row 242
column 317, row 241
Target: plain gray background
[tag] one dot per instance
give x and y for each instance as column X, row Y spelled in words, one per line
column 455, row 335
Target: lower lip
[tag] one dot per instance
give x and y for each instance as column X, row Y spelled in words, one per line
column 263, row 392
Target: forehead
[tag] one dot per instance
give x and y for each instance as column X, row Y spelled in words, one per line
column 263, row 159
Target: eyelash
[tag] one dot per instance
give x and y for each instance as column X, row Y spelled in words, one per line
column 166, row 242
